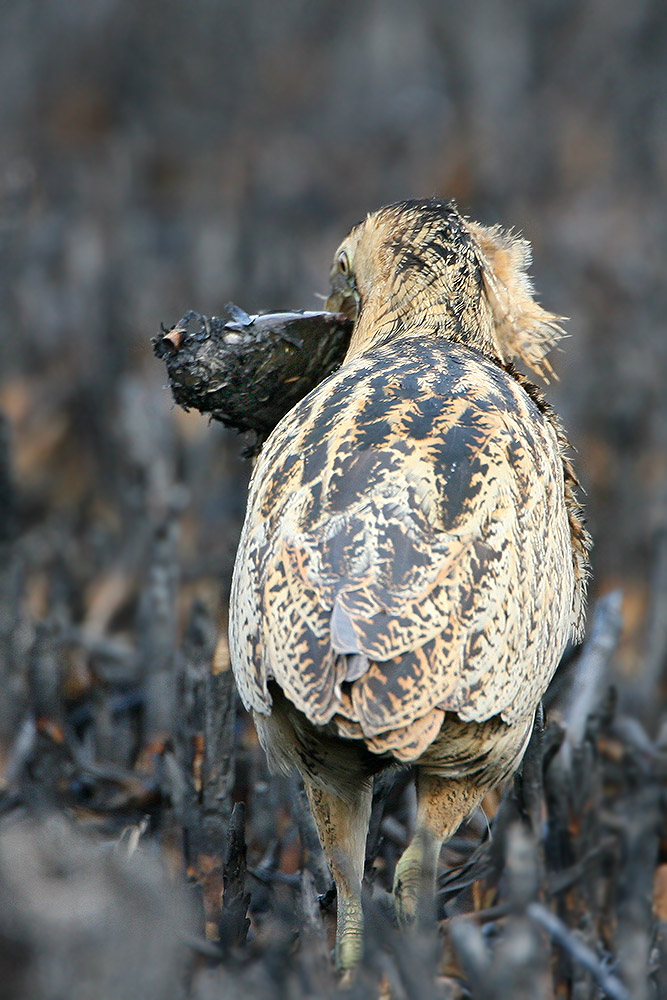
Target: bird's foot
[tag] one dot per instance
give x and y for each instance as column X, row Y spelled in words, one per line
column 349, row 935
column 414, row 879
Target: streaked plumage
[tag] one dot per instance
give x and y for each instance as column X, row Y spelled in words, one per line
column 412, row 563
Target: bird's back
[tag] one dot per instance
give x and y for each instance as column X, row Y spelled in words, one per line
column 407, row 551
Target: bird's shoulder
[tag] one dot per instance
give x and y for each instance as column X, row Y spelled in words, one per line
column 433, row 411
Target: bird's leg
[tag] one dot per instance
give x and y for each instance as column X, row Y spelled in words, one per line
column 442, row 805
column 342, row 825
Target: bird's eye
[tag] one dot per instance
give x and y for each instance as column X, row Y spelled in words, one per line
column 343, row 263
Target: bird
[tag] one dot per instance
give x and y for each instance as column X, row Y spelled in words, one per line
column 414, row 559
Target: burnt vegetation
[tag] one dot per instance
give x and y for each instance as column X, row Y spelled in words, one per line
column 142, row 838
column 156, row 156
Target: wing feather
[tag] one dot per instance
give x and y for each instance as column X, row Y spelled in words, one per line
column 414, row 560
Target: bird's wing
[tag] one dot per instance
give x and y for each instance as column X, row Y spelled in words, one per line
column 407, row 550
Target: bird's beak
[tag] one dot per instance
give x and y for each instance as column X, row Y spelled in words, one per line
column 343, row 299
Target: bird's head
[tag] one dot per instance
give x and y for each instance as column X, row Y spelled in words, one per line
column 420, row 267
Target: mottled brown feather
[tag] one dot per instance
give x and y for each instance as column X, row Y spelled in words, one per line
column 413, row 560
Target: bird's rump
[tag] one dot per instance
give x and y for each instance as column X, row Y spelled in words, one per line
column 399, row 549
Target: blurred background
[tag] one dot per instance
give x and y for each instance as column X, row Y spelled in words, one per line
column 162, row 157
column 159, row 158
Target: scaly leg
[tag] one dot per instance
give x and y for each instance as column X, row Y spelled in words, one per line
column 342, row 825
column 442, row 805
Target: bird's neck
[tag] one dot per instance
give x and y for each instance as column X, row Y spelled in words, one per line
column 383, row 320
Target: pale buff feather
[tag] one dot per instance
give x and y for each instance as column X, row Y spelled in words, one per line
column 523, row 329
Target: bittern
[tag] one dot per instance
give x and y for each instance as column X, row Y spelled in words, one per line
column 413, row 559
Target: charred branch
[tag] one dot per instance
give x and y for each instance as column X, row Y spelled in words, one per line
column 248, row 371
